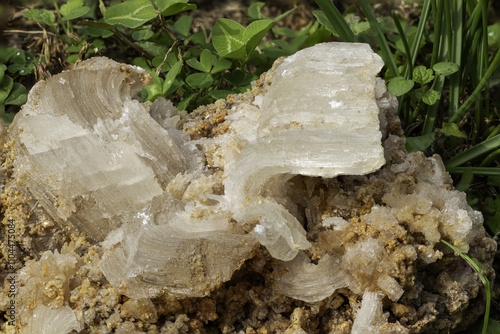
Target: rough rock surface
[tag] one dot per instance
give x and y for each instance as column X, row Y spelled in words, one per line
column 209, row 241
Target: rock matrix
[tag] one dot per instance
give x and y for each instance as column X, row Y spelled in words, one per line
column 291, row 208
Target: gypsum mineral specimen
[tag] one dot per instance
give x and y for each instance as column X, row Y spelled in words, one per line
column 209, row 216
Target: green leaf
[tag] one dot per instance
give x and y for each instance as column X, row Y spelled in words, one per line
column 422, row 75
column 7, row 117
column 222, row 65
column 206, row 60
column 153, row 90
column 430, row 97
column 400, row 86
column 255, row 32
column 494, row 34
column 238, row 78
column 19, row 57
column 142, row 34
column 451, row 129
column 41, row 16
column 279, row 17
column 170, row 77
column 357, row 26
column 3, row 96
column 102, row 7
column 321, row 17
column 183, row 25
column 29, row 56
column 74, row 48
column 337, row 20
column 6, row 83
column 287, row 32
column 445, row 68
column 72, row 58
column 131, row 13
column 97, row 45
column 493, row 180
column 73, row 9
column 199, row 38
column 220, row 93
column 26, row 70
column 153, row 48
column 493, row 327
column 141, row 62
column 275, row 52
column 172, row 7
column 99, row 32
column 227, row 39
column 194, row 63
column 182, row 105
column 465, row 181
column 254, row 10
column 420, row 143
column 200, row 80
column 17, row 95
column 7, row 53
column 2, row 71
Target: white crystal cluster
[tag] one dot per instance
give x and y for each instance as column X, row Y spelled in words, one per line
column 177, row 216
column 98, row 156
column 327, row 131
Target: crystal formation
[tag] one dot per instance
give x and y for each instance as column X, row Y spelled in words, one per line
column 293, row 202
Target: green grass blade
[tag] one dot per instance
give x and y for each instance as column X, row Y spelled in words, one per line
column 485, row 171
column 386, row 51
column 424, row 16
column 449, row 28
column 474, row 152
column 483, row 56
column 337, row 20
column 437, row 10
column 484, row 80
column 490, row 158
column 405, row 42
column 456, row 55
column 483, row 278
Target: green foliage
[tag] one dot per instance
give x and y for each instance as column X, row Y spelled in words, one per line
column 419, row 143
column 189, row 68
column 42, row 16
column 232, row 40
column 451, row 129
column 334, row 21
column 445, row 68
column 400, row 86
column 73, row 9
column 13, row 63
column 134, row 13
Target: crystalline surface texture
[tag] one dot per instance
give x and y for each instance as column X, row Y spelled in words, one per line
column 88, row 151
column 319, row 118
column 330, row 130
